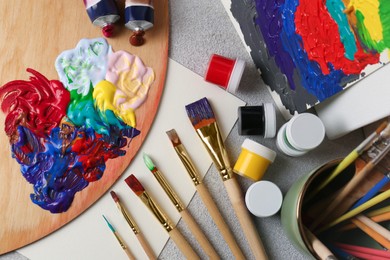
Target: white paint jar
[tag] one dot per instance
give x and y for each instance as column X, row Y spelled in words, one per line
column 301, row 134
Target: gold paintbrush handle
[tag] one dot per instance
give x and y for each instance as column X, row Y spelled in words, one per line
column 219, row 221
column 252, row 236
column 183, row 245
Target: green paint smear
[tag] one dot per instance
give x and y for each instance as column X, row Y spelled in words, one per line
column 384, row 14
column 364, row 34
column 82, row 112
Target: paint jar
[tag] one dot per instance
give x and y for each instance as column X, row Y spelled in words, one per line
column 253, row 160
column 302, row 133
column 257, row 120
column 263, row 199
column 225, row 72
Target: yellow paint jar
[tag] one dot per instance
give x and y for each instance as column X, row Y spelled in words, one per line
column 253, row 160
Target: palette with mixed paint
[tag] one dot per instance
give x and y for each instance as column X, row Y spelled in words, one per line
column 309, row 50
column 63, row 132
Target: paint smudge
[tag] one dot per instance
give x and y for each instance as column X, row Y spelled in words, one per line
column 59, row 133
column 310, row 50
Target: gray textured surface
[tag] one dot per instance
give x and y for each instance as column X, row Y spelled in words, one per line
column 199, row 29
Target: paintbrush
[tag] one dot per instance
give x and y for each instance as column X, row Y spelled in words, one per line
column 185, row 214
column 375, row 226
column 353, row 183
column 120, row 241
column 203, row 120
column 369, row 251
column 350, row 158
column 377, row 215
column 350, row 214
column 130, row 221
column 173, row 232
column 318, row 247
column 374, row 234
column 204, row 194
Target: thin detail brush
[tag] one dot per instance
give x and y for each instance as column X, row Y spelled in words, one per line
column 173, row 232
column 120, row 241
column 185, row 214
column 204, row 193
column 203, row 120
column 130, row 221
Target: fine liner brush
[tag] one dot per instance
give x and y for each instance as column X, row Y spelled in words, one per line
column 350, row 158
column 173, row 232
column 185, row 214
column 203, row 120
column 123, row 245
column 204, row 194
column 145, row 245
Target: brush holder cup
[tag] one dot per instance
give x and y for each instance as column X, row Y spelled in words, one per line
column 294, row 202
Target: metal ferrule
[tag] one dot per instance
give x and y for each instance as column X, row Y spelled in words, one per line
column 212, row 140
column 128, row 219
column 149, row 202
column 120, row 241
column 186, row 160
column 168, row 190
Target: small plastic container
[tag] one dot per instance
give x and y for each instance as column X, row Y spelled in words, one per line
column 263, row 199
column 301, row 134
column 253, row 160
column 257, row 120
column 225, row 72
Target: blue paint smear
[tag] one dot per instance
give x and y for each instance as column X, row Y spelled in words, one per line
column 277, row 24
column 56, row 171
column 336, row 9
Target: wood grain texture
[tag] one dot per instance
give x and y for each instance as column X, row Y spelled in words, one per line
column 34, row 33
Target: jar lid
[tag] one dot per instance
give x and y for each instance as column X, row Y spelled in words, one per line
column 259, row 149
column 263, row 199
column 236, row 76
column 305, row 131
column 270, row 120
column 285, row 147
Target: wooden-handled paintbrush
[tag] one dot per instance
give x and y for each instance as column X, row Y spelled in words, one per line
column 204, row 194
column 203, row 120
column 136, row 186
column 120, row 240
column 185, row 214
column 130, row 221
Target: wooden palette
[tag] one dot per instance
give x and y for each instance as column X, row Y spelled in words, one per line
column 33, row 34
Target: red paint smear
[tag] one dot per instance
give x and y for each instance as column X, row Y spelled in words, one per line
column 38, row 104
column 321, row 39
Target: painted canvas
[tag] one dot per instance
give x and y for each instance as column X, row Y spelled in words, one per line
column 309, row 50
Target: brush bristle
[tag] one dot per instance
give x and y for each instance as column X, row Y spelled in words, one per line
column 148, row 162
column 135, row 185
column 174, row 137
column 381, row 127
column 200, row 113
column 114, row 196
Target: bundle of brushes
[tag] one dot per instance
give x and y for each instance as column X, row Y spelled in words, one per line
column 350, row 207
column 205, row 124
column 136, row 186
column 185, row 214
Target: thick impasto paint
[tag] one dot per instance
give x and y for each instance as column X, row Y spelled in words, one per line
column 309, row 50
column 62, row 132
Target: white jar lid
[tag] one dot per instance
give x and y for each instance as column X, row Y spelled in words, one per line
column 283, row 146
column 259, row 149
column 236, row 75
column 263, row 199
column 305, row 131
column 270, row 120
